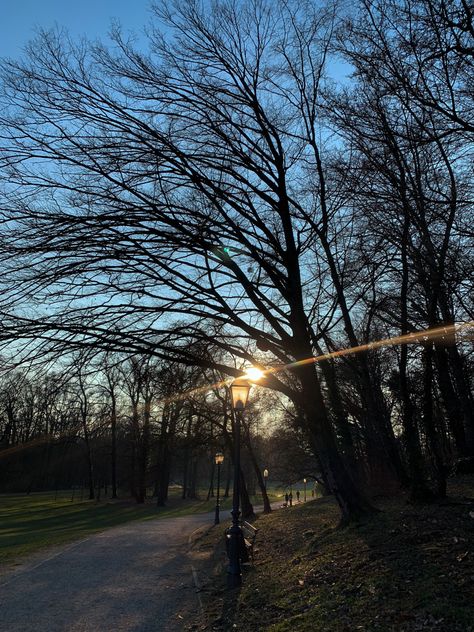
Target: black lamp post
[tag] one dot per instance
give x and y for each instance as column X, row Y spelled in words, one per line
column 265, row 477
column 219, row 458
column 239, row 388
column 304, row 481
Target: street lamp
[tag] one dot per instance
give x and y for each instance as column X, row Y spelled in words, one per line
column 219, row 458
column 239, row 389
column 265, row 477
column 304, row 481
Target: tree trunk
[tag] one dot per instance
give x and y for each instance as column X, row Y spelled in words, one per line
column 143, row 451
column 345, row 439
column 352, row 502
column 245, row 504
column 161, row 472
column 419, row 490
column 450, row 401
column 228, row 478
column 210, row 491
column 429, row 422
column 380, row 442
column 186, row 456
column 461, row 382
column 113, row 421
column 185, row 475
column 90, row 469
column 192, row 493
column 258, row 472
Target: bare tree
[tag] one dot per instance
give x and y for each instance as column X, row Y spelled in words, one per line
column 159, row 199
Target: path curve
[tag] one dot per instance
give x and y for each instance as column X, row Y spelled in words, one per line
column 132, row 578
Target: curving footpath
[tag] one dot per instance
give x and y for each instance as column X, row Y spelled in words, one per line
column 137, row 577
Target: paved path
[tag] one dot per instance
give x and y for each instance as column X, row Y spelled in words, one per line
column 133, row 578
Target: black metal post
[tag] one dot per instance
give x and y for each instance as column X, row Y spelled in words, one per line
column 216, row 519
column 234, row 570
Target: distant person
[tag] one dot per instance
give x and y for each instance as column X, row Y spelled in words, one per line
column 286, row 499
column 290, row 498
column 312, row 492
column 298, row 495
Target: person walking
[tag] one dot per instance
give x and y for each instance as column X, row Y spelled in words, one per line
column 290, row 497
column 286, row 499
column 298, row 495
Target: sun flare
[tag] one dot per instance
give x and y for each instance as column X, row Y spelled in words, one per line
column 253, row 374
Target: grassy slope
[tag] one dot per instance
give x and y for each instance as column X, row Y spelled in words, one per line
column 406, row 569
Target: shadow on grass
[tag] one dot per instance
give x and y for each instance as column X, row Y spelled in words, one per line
column 419, row 568
column 404, row 569
column 230, row 607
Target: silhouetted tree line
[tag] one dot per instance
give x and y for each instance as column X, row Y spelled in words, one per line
column 120, row 427
column 267, row 183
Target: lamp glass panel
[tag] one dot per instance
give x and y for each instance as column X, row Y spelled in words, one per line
column 240, row 393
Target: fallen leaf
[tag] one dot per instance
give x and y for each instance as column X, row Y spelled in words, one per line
column 462, row 556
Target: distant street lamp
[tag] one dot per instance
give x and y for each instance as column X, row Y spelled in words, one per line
column 219, row 458
column 239, row 388
column 265, row 477
column 304, row 481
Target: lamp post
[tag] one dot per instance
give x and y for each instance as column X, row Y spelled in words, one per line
column 265, row 477
column 239, row 388
column 219, row 458
column 304, row 481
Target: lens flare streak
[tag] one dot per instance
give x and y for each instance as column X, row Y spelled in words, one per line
column 445, row 335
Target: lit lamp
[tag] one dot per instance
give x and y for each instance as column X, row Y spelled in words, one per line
column 265, row 477
column 304, row 481
column 239, row 389
column 219, row 459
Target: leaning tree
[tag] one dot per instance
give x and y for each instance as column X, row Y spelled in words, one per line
column 159, row 202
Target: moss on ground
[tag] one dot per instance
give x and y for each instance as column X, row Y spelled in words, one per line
column 409, row 568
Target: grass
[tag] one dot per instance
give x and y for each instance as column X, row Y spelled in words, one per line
column 34, row 522
column 30, row 523
column 409, row 568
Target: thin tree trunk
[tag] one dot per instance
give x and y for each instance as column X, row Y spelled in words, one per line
column 113, row 422
column 419, row 490
column 246, row 506
column 429, row 422
column 186, row 457
column 450, row 400
column 258, row 472
column 210, row 491
column 228, row 478
column 192, row 491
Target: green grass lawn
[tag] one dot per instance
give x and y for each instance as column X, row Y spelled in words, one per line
column 29, row 523
column 32, row 522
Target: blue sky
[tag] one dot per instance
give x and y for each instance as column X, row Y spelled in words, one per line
column 18, row 19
